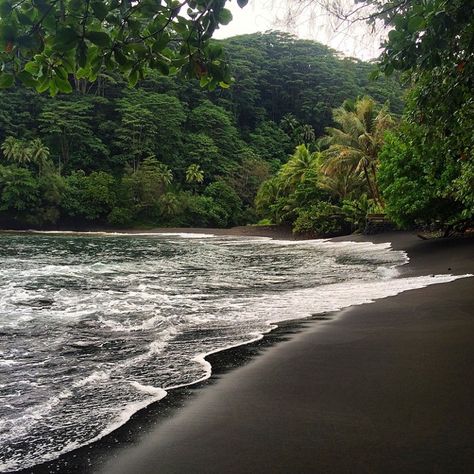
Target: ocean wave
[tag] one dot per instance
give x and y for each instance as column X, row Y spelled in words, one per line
column 136, row 318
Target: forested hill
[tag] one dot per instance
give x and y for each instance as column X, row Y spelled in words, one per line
column 277, row 74
column 169, row 152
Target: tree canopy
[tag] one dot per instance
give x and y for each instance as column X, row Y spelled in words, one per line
column 43, row 42
column 169, row 152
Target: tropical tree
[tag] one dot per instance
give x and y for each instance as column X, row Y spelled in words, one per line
column 16, row 150
column 267, row 195
column 169, row 204
column 67, row 128
column 289, row 123
column 194, row 174
column 136, row 133
column 10, row 148
column 164, row 174
column 45, row 42
column 302, row 166
column 343, row 185
column 306, row 134
column 355, row 145
column 39, row 154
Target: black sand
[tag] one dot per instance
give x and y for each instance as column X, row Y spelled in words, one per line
column 379, row 388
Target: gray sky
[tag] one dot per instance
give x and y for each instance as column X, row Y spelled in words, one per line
column 262, row 15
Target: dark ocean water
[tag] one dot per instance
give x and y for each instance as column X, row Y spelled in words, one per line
column 95, row 327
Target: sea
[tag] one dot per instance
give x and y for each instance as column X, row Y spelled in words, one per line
column 95, row 327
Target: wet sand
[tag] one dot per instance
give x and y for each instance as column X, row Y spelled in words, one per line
column 379, row 388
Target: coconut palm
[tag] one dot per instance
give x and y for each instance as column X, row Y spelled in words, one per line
column 194, row 174
column 39, row 154
column 169, row 204
column 289, row 124
column 306, row 134
column 9, row 148
column 356, row 143
column 343, row 185
column 156, row 170
column 165, row 175
column 16, row 150
column 267, row 194
column 301, row 166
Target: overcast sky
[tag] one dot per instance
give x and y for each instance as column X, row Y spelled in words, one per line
column 262, row 15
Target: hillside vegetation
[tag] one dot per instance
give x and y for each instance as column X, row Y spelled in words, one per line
column 169, row 152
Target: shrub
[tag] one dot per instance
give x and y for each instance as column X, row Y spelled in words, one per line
column 120, row 216
column 89, row 197
column 225, row 198
column 203, row 211
column 322, row 220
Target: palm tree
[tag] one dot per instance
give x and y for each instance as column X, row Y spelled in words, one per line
column 9, row 147
column 343, row 185
column 355, row 145
column 194, row 174
column 165, row 175
column 156, row 170
column 301, row 166
column 306, row 134
column 169, row 204
column 267, row 194
column 16, row 150
column 289, row 124
column 39, row 153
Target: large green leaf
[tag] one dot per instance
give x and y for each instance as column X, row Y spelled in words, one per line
column 6, row 80
column 99, row 38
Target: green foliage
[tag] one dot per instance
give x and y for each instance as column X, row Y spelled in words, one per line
column 356, row 142
column 323, row 220
column 202, row 211
column 225, row 198
column 463, row 189
column 218, row 125
column 120, row 217
column 91, row 197
column 416, row 176
column 194, row 174
column 426, row 35
column 356, row 211
column 295, row 187
column 433, row 43
column 252, row 172
column 277, row 74
column 46, row 43
column 201, row 149
column 66, row 126
column 270, row 142
column 153, row 155
column 18, row 190
column 150, row 125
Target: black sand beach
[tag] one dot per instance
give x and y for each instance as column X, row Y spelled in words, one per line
column 382, row 387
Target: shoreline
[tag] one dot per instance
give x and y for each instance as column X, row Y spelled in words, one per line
column 92, row 457
column 272, row 232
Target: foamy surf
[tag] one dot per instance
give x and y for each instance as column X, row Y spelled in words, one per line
column 106, row 325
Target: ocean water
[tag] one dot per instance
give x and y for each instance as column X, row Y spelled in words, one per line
column 95, row 327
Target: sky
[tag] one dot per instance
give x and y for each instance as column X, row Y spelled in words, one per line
column 262, row 15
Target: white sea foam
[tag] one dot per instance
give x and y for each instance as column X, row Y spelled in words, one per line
column 96, row 377
column 185, row 235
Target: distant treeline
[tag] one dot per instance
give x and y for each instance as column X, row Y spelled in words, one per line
column 169, row 152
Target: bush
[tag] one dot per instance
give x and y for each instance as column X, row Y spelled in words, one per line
column 416, row 176
column 203, row 211
column 227, row 200
column 356, row 211
column 89, row 197
column 322, row 220
column 120, row 216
